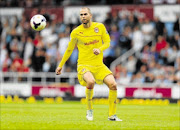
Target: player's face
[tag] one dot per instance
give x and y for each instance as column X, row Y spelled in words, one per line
column 85, row 16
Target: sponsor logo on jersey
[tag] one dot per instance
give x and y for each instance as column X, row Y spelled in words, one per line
column 91, row 42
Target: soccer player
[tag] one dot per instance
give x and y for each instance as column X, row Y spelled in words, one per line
column 92, row 39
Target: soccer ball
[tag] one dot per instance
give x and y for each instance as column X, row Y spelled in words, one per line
column 38, row 22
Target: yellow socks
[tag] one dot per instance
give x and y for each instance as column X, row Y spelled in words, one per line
column 112, row 102
column 89, row 96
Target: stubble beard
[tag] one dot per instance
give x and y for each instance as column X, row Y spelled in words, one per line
column 87, row 21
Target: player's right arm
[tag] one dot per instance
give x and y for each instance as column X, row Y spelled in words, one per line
column 67, row 53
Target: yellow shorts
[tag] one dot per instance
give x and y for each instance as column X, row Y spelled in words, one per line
column 98, row 72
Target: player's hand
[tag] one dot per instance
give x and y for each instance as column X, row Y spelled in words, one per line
column 58, row 70
column 96, row 51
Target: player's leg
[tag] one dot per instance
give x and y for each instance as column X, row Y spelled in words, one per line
column 90, row 81
column 111, row 83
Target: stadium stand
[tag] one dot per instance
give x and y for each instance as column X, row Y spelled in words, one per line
column 156, row 44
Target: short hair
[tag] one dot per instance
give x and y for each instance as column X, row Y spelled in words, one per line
column 87, row 9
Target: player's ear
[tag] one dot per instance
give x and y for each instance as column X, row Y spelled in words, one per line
column 91, row 15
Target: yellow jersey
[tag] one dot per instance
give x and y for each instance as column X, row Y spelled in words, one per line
column 86, row 40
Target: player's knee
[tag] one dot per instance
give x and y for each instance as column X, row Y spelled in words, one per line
column 113, row 86
column 90, row 84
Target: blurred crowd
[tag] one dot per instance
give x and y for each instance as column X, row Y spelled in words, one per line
column 156, row 44
column 157, row 47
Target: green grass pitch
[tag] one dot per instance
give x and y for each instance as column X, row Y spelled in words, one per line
column 71, row 115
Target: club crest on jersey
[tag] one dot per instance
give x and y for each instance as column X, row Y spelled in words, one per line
column 96, row 29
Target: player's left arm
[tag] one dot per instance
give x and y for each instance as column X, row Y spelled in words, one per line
column 105, row 39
